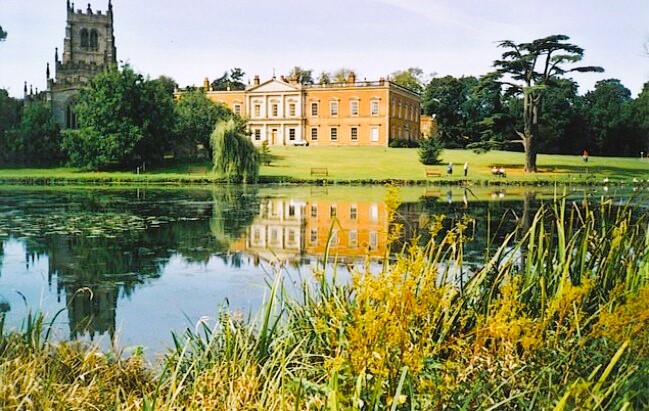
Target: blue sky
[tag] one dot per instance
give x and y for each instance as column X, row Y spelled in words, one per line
column 191, row 39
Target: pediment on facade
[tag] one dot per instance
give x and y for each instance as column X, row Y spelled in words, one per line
column 274, row 86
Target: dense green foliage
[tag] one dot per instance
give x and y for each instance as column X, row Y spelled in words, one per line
column 3, row 34
column 235, row 157
column 340, row 75
column 196, row 116
column 301, row 75
column 37, row 141
column 606, row 121
column 412, row 79
column 614, row 127
column 528, row 70
column 460, row 108
column 640, row 109
column 10, row 112
column 28, row 133
column 124, row 118
column 403, row 143
column 229, row 81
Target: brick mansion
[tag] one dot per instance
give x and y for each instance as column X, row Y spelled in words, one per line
column 285, row 112
column 278, row 111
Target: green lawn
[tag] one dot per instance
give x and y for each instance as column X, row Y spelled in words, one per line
column 377, row 163
column 368, row 164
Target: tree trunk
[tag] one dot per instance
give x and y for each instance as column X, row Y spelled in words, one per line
column 524, row 224
column 531, row 109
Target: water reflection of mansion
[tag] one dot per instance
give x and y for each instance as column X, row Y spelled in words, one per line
column 287, row 230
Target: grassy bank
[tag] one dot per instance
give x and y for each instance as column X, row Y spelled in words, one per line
column 555, row 318
column 368, row 165
column 362, row 163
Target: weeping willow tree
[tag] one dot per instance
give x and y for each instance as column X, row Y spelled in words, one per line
column 235, row 157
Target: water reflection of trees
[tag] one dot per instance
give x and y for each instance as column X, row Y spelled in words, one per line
column 235, row 209
column 146, row 228
column 494, row 220
column 93, row 271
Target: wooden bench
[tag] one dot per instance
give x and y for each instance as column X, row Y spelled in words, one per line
column 197, row 170
column 319, row 171
column 499, row 173
column 432, row 173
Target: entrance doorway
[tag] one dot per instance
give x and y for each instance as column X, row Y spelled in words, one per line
column 273, row 136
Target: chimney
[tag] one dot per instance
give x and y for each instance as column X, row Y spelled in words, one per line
column 351, row 78
column 255, row 81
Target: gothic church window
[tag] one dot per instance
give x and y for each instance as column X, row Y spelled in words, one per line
column 71, row 116
column 94, row 40
column 84, row 38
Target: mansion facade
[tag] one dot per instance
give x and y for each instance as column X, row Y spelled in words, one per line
column 289, row 229
column 364, row 113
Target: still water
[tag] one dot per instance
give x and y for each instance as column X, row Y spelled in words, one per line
column 126, row 266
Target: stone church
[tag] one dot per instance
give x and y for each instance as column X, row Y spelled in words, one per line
column 88, row 49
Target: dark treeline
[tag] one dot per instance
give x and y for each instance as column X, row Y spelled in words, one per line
column 103, row 245
column 126, row 119
column 605, row 121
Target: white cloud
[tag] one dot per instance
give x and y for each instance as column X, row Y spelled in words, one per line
column 436, row 13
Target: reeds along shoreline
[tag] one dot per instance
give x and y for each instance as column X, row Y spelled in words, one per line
column 556, row 318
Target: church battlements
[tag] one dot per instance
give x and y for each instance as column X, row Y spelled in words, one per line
column 88, row 49
column 88, row 11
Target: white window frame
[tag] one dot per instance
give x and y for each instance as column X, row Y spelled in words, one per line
column 353, row 108
column 315, row 109
column 333, row 108
column 333, row 134
column 291, row 237
column 314, row 133
column 374, row 212
column 374, row 134
column 375, row 107
column 353, row 133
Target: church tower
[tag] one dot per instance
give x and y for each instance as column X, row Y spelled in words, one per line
column 88, row 49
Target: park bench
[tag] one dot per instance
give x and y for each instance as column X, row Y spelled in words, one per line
column 197, row 170
column 432, row 173
column 319, row 171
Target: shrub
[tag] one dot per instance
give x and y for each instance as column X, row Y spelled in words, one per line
column 403, row 143
column 429, row 151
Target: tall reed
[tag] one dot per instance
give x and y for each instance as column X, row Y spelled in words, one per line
column 556, row 317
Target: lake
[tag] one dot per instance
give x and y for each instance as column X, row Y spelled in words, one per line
column 126, row 266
